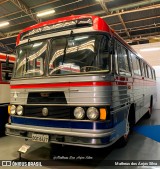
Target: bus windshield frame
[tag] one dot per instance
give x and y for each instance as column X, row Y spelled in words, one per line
column 64, row 55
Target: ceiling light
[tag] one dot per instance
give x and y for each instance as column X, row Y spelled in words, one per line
column 149, row 49
column 44, row 13
column 4, row 24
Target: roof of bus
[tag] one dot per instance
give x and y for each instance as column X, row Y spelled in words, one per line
column 96, row 20
column 98, row 24
column 3, row 57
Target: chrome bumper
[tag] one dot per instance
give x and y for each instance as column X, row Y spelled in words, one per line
column 77, row 137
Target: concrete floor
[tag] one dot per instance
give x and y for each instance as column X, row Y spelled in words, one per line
column 138, row 148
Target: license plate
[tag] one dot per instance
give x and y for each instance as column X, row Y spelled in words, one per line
column 40, row 138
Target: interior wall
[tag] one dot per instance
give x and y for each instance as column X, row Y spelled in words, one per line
column 153, row 58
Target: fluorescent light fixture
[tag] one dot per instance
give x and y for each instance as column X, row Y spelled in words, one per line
column 4, row 24
column 149, row 49
column 44, row 13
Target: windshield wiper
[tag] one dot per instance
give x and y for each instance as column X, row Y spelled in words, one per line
column 66, row 45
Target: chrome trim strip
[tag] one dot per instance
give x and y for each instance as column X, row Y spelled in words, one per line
column 70, row 120
column 69, row 104
column 73, row 144
column 87, row 145
column 66, row 132
column 80, row 90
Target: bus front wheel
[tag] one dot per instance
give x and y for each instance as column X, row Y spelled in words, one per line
column 124, row 139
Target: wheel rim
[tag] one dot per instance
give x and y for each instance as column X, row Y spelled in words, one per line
column 150, row 110
column 127, row 130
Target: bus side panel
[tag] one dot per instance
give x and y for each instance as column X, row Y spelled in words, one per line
column 4, row 93
column 138, row 95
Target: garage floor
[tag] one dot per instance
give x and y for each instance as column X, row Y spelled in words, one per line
column 138, row 148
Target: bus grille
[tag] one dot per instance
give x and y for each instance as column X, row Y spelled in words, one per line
column 46, row 98
column 60, row 112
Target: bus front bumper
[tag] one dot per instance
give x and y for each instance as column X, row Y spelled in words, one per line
column 76, row 137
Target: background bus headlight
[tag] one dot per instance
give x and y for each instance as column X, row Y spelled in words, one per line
column 13, row 110
column 20, row 110
column 79, row 113
column 92, row 113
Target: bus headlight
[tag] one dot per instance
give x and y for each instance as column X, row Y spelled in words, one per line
column 92, row 113
column 79, row 113
column 20, row 110
column 13, row 110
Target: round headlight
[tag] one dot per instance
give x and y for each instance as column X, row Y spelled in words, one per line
column 92, row 113
column 13, row 110
column 79, row 113
column 20, row 110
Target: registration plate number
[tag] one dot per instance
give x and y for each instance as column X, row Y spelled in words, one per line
column 40, row 137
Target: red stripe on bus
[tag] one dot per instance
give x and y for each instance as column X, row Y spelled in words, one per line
column 69, row 84
column 1, row 82
column 3, row 57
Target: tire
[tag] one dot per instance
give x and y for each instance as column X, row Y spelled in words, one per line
column 149, row 113
column 3, row 119
column 122, row 142
column 129, row 128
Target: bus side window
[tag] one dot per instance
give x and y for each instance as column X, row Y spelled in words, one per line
column 136, row 65
column 147, row 74
column 142, row 68
column 123, row 62
column 153, row 72
column 104, row 54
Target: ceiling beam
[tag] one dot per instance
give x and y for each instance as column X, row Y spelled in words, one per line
column 10, row 35
column 152, row 26
column 3, row 1
column 104, row 7
column 13, row 13
column 124, row 25
column 2, row 35
column 136, row 20
column 127, row 11
column 129, row 7
column 26, row 9
column 7, row 48
column 141, row 36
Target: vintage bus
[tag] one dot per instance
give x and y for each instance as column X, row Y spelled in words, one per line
column 76, row 82
column 6, row 68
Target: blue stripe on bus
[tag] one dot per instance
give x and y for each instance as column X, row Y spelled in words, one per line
column 61, row 124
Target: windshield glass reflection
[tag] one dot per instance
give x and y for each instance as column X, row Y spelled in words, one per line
column 79, row 54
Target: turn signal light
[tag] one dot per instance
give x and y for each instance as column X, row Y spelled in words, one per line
column 103, row 114
column 9, row 109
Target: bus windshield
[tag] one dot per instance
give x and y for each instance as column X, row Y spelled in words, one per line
column 68, row 55
column 76, row 54
column 30, row 59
